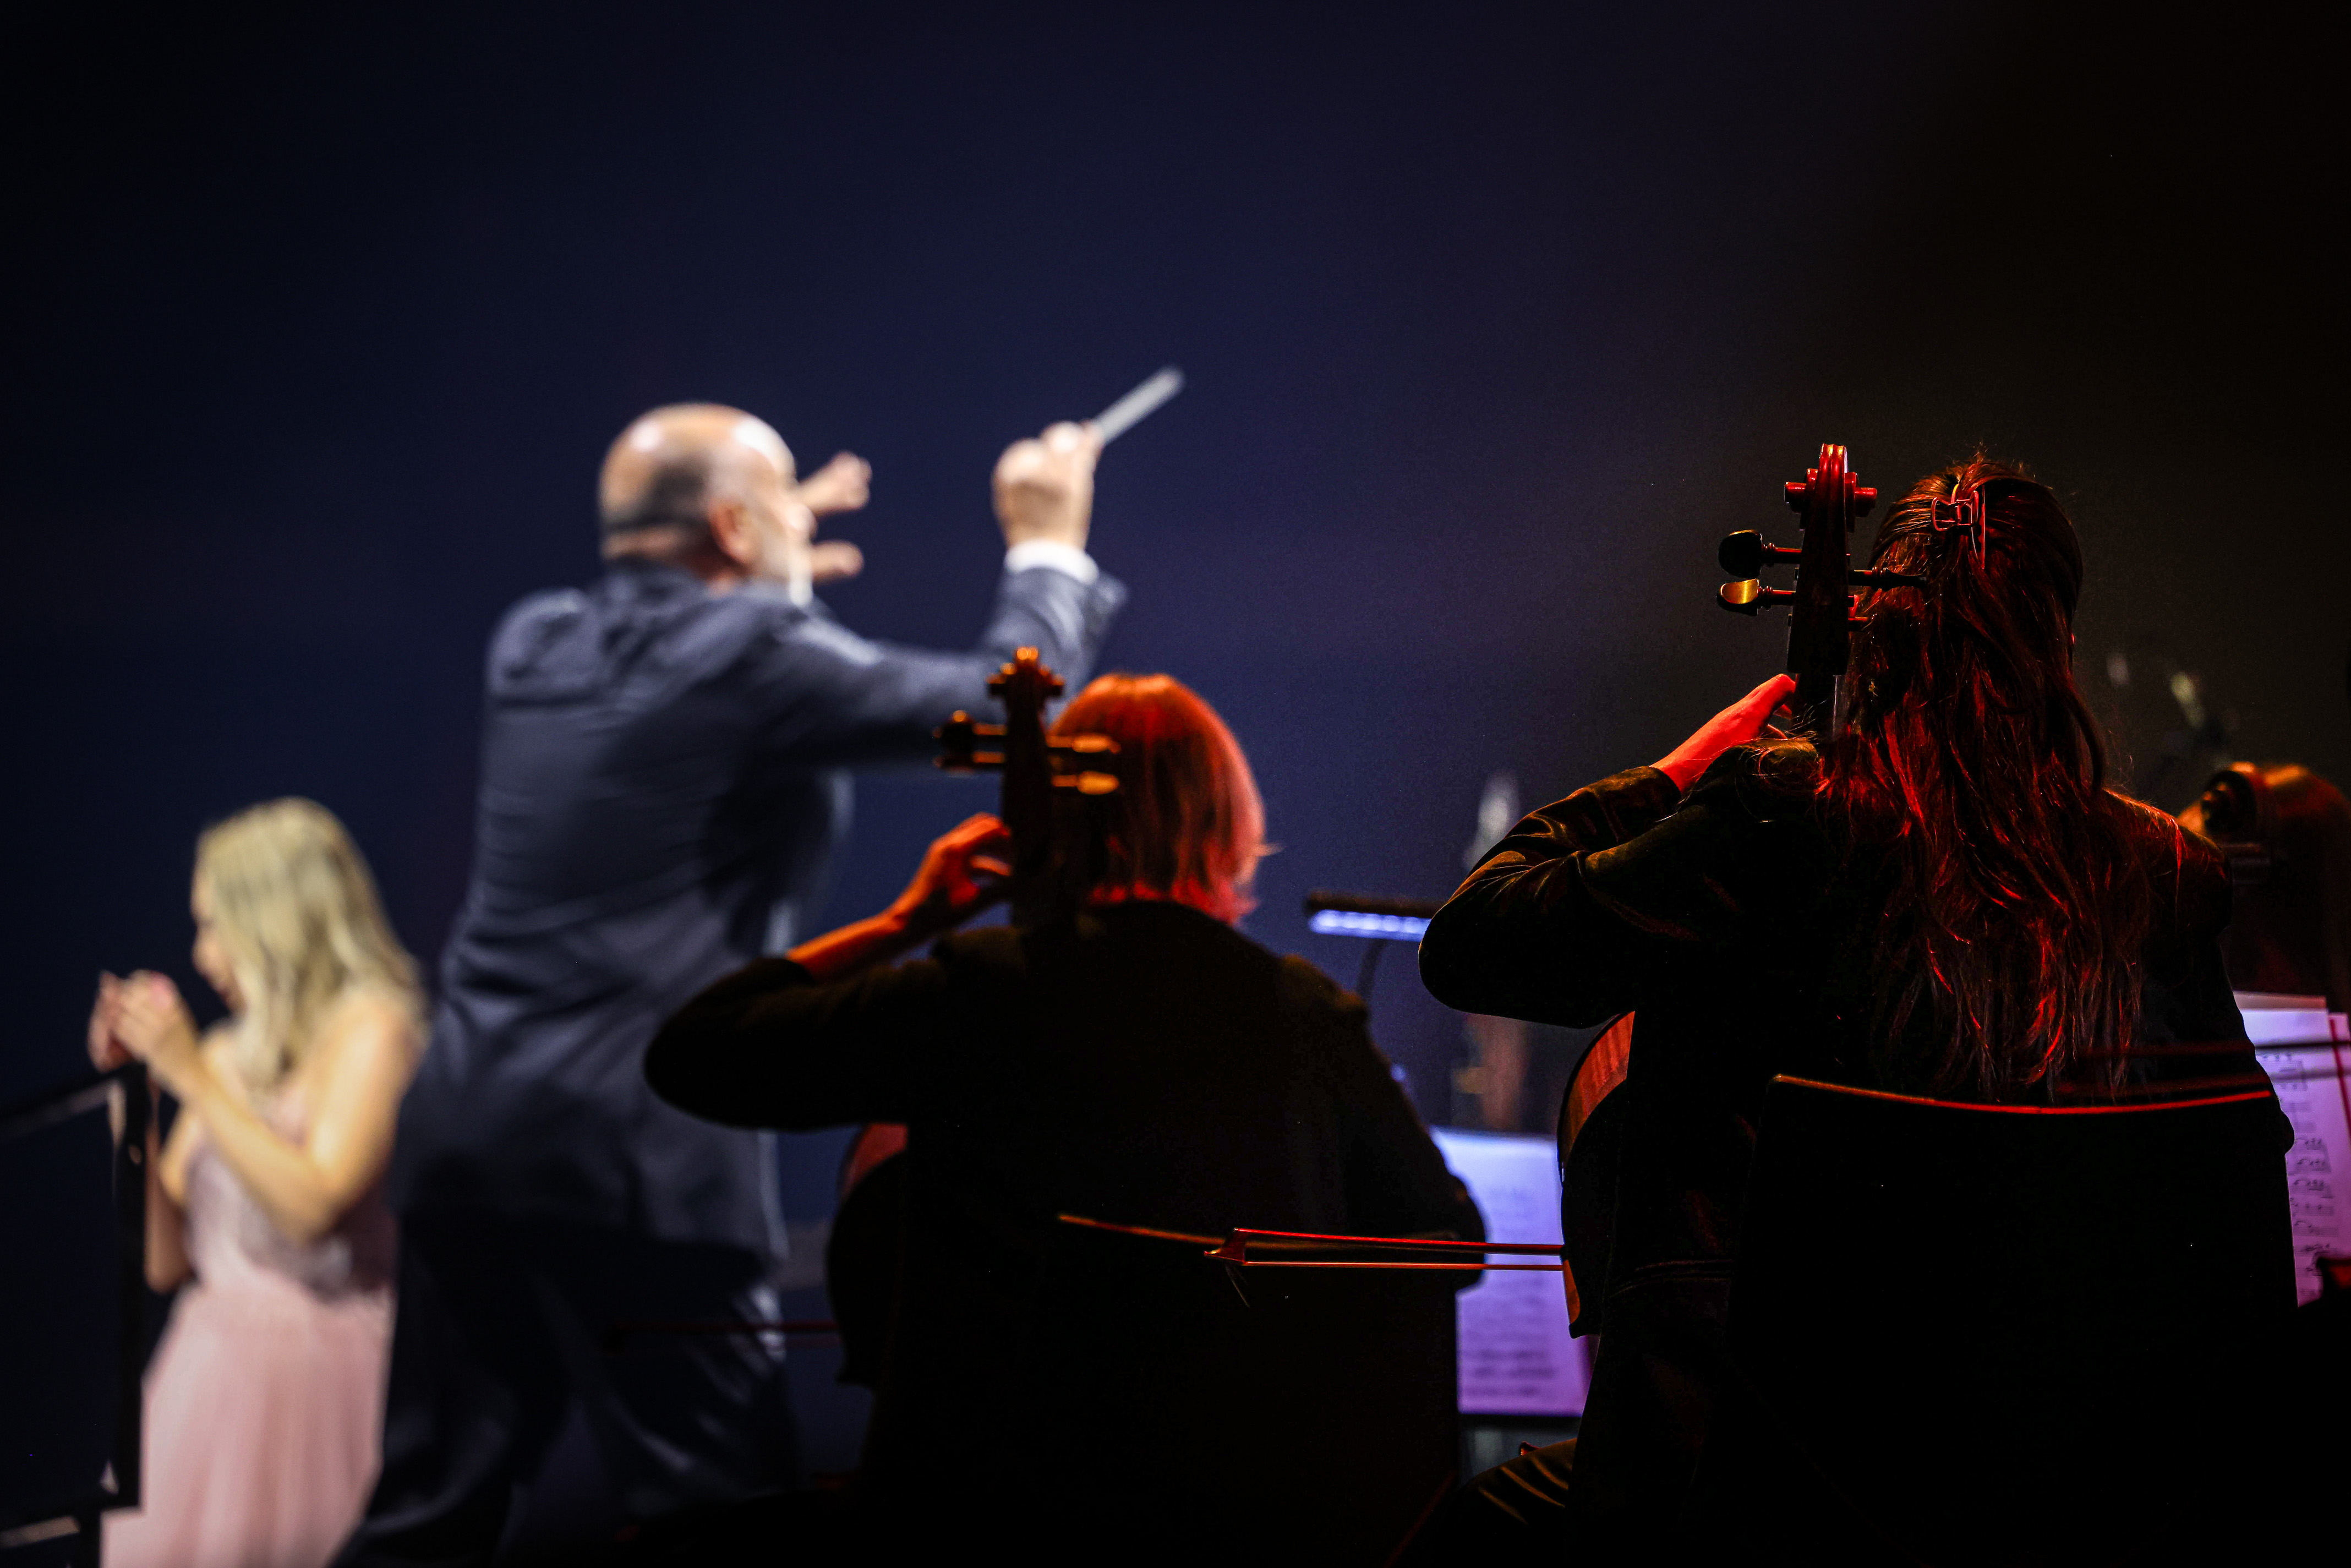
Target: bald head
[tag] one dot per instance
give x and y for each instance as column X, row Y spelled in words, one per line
column 669, row 468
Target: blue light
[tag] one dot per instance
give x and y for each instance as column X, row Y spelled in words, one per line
column 1349, row 923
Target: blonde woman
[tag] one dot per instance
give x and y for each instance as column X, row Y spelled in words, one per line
column 265, row 1400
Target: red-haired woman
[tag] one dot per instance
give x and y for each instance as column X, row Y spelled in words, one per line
column 1145, row 1063
column 1943, row 900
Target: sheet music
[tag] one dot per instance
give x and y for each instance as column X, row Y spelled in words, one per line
column 2311, row 1087
column 1516, row 1358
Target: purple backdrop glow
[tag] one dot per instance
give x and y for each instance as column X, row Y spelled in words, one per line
column 1495, row 318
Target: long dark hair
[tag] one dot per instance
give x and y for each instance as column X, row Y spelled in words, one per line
column 2015, row 908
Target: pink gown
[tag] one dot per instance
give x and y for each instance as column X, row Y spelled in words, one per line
column 264, row 1401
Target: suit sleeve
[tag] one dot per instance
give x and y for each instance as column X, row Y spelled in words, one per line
column 771, row 1047
column 1560, row 922
column 1394, row 1181
column 832, row 698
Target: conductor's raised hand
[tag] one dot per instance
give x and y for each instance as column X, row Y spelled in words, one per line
column 963, row 871
column 843, row 485
column 1045, row 488
column 1741, row 721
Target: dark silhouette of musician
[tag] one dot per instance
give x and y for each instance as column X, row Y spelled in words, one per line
column 2292, row 935
column 2292, row 929
column 1942, row 898
column 664, row 777
column 1141, row 1063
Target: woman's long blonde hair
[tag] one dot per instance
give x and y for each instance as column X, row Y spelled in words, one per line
column 297, row 914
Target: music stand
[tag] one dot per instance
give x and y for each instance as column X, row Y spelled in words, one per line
column 73, row 1308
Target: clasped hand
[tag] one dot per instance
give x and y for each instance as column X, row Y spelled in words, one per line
column 143, row 1017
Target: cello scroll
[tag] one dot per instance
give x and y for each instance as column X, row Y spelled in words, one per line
column 1830, row 498
column 1039, row 772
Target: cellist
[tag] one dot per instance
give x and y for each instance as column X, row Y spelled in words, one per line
column 1139, row 1061
column 1938, row 896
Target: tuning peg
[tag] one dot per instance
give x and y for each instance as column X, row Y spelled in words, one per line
column 959, row 728
column 1864, row 497
column 959, row 741
column 1798, row 489
column 1879, row 577
column 1744, row 553
column 1747, row 597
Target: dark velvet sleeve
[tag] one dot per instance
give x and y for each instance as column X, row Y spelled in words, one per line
column 1394, row 1180
column 2184, row 993
column 770, row 1047
column 1529, row 935
column 2185, row 997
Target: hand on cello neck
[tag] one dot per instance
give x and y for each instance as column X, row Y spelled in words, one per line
column 1740, row 723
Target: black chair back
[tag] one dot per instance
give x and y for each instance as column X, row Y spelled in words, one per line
column 1304, row 1415
column 1978, row 1334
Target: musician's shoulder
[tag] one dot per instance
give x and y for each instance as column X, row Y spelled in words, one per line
column 2151, row 820
column 1763, row 778
column 2156, row 831
column 2166, row 847
column 1305, row 988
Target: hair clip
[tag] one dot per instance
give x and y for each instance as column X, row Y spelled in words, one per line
column 1965, row 511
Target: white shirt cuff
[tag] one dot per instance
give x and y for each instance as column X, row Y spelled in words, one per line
column 1068, row 560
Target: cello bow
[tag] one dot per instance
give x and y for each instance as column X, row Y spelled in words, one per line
column 1247, row 1248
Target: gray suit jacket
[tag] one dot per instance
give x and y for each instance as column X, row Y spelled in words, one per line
column 664, row 780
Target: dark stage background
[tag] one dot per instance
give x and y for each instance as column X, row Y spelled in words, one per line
column 1495, row 318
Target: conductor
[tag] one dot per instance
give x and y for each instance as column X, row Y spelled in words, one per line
column 666, row 774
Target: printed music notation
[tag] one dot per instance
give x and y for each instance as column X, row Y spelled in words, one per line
column 2306, row 1051
column 1516, row 1356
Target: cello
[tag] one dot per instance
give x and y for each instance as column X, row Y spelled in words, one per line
column 1047, row 780
column 1829, row 500
column 1051, row 786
